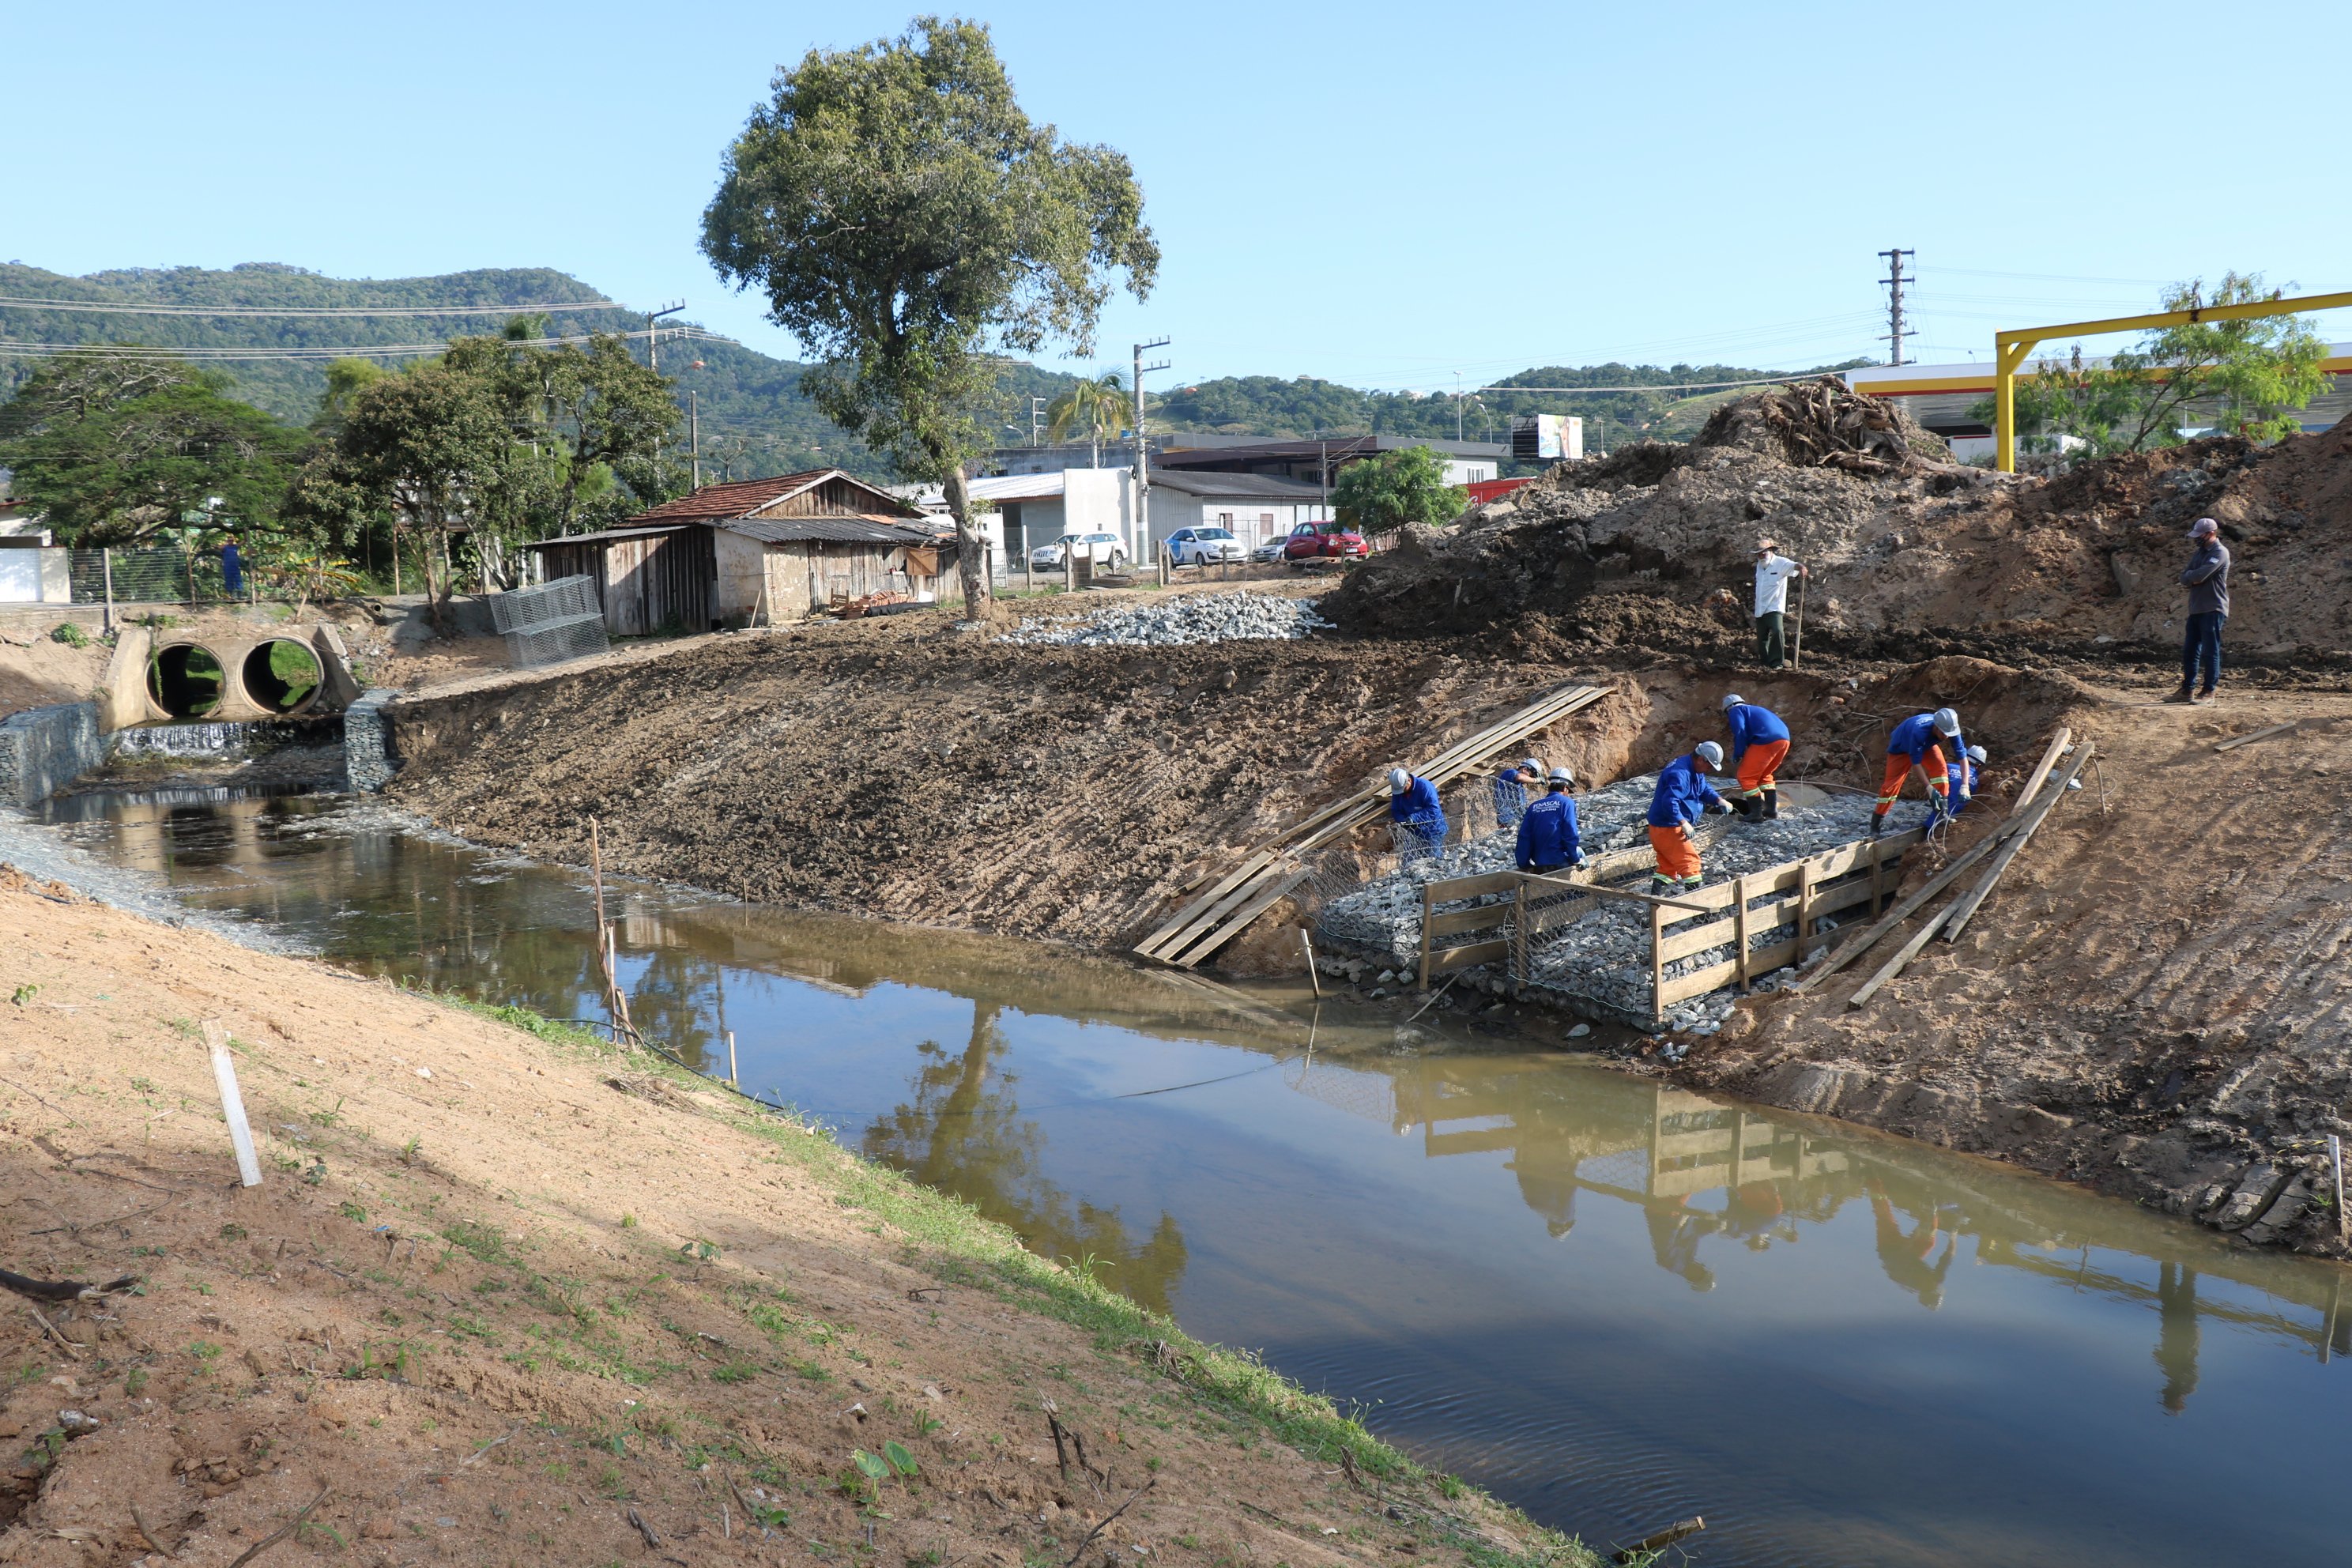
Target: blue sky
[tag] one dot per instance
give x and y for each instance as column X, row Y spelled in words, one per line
column 1384, row 194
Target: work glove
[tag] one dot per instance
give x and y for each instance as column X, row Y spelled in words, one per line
column 1721, row 808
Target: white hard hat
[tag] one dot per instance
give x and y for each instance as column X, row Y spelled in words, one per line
column 1563, row 775
column 1400, row 780
column 1976, row 753
column 1948, row 722
column 1733, row 699
column 1533, row 764
column 1712, row 753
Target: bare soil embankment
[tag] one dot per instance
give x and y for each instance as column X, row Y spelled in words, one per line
column 2155, row 1001
column 1652, row 547
column 506, row 1299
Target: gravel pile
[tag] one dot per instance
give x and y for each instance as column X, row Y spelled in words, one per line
column 1603, row 962
column 1193, row 618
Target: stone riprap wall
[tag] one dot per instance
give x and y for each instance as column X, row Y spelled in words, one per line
column 43, row 750
column 368, row 764
column 1600, row 965
column 1175, row 623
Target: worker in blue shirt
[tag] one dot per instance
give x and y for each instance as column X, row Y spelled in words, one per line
column 1963, row 780
column 1547, row 836
column 1759, row 745
column 1916, row 746
column 1682, row 797
column 1511, row 782
column 1417, row 822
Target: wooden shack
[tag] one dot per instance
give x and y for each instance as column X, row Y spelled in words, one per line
column 755, row 550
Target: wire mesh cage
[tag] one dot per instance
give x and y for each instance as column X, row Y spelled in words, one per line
column 552, row 624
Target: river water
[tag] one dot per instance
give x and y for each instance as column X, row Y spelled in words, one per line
column 1610, row 1303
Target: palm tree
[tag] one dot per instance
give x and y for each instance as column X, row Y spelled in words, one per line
column 1100, row 406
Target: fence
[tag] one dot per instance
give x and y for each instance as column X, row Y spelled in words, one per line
column 1695, row 942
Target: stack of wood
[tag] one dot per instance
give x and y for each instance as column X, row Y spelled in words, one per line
column 851, row 609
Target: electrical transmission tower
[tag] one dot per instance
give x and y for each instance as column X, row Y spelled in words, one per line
column 1895, row 331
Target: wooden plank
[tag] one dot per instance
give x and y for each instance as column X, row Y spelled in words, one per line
column 1151, row 945
column 1600, row 891
column 1426, row 906
column 1463, row 957
column 1657, row 967
column 1471, row 886
column 1965, row 906
column 1699, row 982
column 1849, row 951
column 2258, row 735
column 2050, row 756
column 1763, row 917
column 1805, row 904
column 1239, row 920
column 1739, row 930
column 1448, row 921
column 1903, row 955
column 1242, row 893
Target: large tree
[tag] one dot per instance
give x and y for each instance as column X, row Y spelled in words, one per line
column 433, row 444
column 117, row 448
column 909, row 223
column 1380, row 494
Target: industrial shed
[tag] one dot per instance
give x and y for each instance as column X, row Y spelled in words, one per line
column 755, row 550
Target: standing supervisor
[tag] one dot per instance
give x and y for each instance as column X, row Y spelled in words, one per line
column 2207, row 576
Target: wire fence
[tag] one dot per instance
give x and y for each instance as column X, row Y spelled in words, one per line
column 163, row 575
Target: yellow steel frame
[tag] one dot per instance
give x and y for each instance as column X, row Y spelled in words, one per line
column 2010, row 349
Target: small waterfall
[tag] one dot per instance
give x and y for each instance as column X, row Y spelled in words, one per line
column 223, row 740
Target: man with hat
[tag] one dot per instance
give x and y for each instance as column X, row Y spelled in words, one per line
column 1773, row 571
column 1549, row 839
column 2208, row 577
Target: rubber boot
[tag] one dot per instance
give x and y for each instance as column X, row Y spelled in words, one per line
column 1877, row 823
column 1771, row 806
column 1751, row 808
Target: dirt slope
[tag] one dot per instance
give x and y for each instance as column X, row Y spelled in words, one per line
column 508, row 1302
column 2155, row 1001
column 1652, row 547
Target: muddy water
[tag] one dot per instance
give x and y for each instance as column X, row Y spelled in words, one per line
column 1613, row 1304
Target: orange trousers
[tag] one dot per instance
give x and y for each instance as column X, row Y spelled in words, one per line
column 1759, row 762
column 1677, row 855
column 1898, row 769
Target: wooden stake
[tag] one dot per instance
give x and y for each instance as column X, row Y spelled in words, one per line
column 2336, row 1153
column 1903, row 911
column 1804, row 906
column 1797, row 649
column 732, row 1080
column 1739, row 926
column 1967, row 904
column 2058, row 743
column 240, row 1132
column 1657, row 964
column 1426, row 905
column 1307, row 940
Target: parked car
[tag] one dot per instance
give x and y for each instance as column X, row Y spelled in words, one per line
column 1102, row 549
column 1271, row 551
column 1204, row 546
column 1323, row 541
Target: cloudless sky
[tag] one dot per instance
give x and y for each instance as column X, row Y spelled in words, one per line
column 1385, row 194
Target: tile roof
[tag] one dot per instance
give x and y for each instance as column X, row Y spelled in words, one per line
column 735, row 499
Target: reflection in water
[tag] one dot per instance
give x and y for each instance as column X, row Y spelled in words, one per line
column 964, row 1133
column 1611, row 1300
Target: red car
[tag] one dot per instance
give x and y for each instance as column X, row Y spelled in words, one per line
column 1323, row 541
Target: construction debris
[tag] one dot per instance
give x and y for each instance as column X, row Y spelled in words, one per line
column 1818, row 424
column 1194, row 618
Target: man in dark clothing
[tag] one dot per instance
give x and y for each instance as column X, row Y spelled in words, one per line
column 232, row 568
column 2208, row 577
column 1549, row 840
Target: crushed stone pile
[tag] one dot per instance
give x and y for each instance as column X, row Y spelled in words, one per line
column 1601, row 963
column 1193, row 618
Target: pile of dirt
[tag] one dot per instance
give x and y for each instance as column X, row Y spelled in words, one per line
column 1654, row 546
column 501, row 1299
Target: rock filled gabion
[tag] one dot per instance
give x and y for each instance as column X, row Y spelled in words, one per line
column 1602, row 962
column 1193, row 618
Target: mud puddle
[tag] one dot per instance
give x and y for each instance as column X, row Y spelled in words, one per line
column 1611, row 1302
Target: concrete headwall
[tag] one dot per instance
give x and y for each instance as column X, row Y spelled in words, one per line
column 42, row 750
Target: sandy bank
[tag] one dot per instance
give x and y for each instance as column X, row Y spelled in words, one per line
column 508, row 1297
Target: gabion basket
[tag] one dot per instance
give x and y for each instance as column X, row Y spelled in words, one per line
column 551, row 623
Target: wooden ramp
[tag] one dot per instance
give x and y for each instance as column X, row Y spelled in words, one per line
column 1273, row 868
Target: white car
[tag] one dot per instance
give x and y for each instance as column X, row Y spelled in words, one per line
column 1102, row 549
column 1204, row 546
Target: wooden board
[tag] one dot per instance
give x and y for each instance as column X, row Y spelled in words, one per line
column 2258, row 735
column 1484, row 915
column 1151, row 946
column 2050, row 755
column 1844, row 895
column 1271, row 890
column 1463, row 957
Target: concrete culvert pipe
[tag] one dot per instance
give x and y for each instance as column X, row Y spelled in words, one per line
column 186, row 680
column 280, row 675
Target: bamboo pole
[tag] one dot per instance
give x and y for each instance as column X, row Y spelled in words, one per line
column 1307, row 940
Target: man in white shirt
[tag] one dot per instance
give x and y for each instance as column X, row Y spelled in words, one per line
column 1773, row 571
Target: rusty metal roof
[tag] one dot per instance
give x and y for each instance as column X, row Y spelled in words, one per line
column 741, row 498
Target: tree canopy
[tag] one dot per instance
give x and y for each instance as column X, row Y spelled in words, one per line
column 1381, row 494
column 1099, row 405
column 909, row 224
column 2248, row 377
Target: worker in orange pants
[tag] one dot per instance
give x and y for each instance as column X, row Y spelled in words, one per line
column 1682, row 797
column 1759, row 745
column 1915, row 745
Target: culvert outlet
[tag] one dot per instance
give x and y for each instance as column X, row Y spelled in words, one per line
column 280, row 675
column 186, row 680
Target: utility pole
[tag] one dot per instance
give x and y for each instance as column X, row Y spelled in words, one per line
column 653, row 333
column 1036, row 421
column 694, row 432
column 1895, row 331
column 1143, row 450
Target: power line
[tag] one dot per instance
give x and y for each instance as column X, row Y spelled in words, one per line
column 306, row 312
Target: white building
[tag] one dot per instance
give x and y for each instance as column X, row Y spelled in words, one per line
column 1254, row 507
